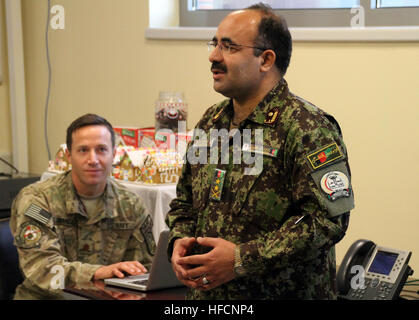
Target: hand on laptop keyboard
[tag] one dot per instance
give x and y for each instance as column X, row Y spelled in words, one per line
column 120, row 270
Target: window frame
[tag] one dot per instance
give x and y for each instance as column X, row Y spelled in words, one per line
column 313, row 18
column 333, row 34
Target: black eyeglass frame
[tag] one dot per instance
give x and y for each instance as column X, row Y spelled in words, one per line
column 224, row 45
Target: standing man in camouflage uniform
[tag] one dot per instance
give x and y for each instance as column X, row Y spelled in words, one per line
column 270, row 233
column 80, row 226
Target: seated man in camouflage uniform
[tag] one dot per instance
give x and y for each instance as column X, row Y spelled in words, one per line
column 268, row 233
column 81, row 225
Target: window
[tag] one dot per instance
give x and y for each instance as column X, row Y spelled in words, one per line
column 276, row 4
column 298, row 4
column 394, row 4
column 331, row 20
column 306, row 13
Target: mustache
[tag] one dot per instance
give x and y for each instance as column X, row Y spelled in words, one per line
column 218, row 66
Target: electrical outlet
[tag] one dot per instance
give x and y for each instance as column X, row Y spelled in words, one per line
column 4, row 168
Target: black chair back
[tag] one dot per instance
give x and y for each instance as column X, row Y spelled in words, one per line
column 10, row 275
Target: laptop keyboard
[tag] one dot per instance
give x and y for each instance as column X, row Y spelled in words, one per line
column 141, row 282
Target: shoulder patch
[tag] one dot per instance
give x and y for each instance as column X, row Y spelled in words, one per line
column 324, row 156
column 39, row 215
column 335, row 185
column 335, row 189
column 29, row 235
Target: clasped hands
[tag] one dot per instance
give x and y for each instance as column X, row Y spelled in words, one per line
column 203, row 271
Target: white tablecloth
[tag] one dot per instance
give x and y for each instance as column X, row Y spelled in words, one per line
column 156, row 198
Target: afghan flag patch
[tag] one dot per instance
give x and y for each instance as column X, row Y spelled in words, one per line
column 324, row 156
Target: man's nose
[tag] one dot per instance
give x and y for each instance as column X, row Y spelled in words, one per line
column 92, row 160
column 216, row 55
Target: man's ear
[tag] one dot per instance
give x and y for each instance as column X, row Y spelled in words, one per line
column 68, row 154
column 268, row 60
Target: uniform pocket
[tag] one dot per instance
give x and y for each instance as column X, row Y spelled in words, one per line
column 116, row 243
column 258, row 170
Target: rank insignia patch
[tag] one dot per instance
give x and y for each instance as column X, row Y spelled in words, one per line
column 336, row 185
column 272, row 116
column 217, row 185
column 218, row 114
column 29, row 235
column 324, row 156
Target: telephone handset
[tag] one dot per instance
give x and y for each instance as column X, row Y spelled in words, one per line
column 371, row 272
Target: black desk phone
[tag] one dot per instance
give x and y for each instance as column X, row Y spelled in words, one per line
column 371, row 272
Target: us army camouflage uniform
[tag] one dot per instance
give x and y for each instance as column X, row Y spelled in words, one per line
column 51, row 228
column 284, row 223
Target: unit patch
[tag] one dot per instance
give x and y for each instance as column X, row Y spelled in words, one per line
column 334, row 188
column 29, row 235
column 324, row 156
column 336, row 185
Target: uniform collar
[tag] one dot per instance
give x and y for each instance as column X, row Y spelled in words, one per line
column 75, row 206
column 265, row 113
column 223, row 115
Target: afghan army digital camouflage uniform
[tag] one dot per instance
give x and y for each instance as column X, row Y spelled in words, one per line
column 51, row 228
column 287, row 218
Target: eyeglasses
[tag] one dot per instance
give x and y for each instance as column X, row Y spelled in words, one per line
column 228, row 47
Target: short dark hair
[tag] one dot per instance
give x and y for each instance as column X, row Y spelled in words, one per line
column 273, row 34
column 88, row 119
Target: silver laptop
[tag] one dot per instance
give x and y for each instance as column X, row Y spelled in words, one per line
column 161, row 275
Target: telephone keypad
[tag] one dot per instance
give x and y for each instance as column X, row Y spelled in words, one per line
column 375, row 282
column 382, row 289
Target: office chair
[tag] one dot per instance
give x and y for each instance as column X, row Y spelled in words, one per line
column 10, row 275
